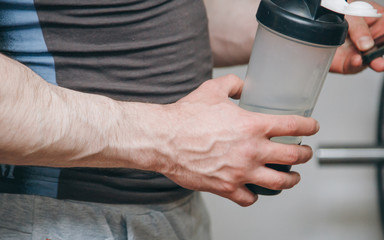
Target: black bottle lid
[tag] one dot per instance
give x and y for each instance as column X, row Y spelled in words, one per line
column 303, row 20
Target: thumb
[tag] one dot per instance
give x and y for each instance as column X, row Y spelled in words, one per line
column 229, row 86
column 359, row 33
column 218, row 88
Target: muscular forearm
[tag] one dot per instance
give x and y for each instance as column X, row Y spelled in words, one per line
column 232, row 28
column 43, row 124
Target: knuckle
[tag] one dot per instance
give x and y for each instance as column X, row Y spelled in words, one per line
column 240, row 172
column 251, row 126
column 293, row 155
column 245, row 126
column 232, row 76
column 246, row 154
column 278, row 182
column 208, row 84
column 227, row 188
column 292, row 125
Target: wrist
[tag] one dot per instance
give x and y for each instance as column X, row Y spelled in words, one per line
column 137, row 136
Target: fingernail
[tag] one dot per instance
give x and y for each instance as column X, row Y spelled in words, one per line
column 378, row 65
column 365, row 43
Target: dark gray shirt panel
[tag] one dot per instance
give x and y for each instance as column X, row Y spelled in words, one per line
column 150, row 51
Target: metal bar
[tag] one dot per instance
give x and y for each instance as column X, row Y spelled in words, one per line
column 350, row 155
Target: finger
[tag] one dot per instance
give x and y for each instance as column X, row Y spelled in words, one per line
column 347, row 59
column 377, row 29
column 288, row 154
column 359, row 33
column 290, row 125
column 353, row 63
column 222, row 87
column 275, row 180
column 370, row 20
column 377, row 64
column 380, row 9
column 242, row 196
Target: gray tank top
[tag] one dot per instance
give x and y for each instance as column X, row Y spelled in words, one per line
column 148, row 51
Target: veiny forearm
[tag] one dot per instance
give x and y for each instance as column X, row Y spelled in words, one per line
column 46, row 125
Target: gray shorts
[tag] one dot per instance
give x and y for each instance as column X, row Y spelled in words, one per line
column 40, row 218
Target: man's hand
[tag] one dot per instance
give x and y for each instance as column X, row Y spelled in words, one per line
column 362, row 32
column 218, row 147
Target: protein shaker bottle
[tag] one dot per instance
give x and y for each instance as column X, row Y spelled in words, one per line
column 293, row 50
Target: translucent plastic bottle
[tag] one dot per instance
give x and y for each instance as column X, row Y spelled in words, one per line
column 285, row 76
